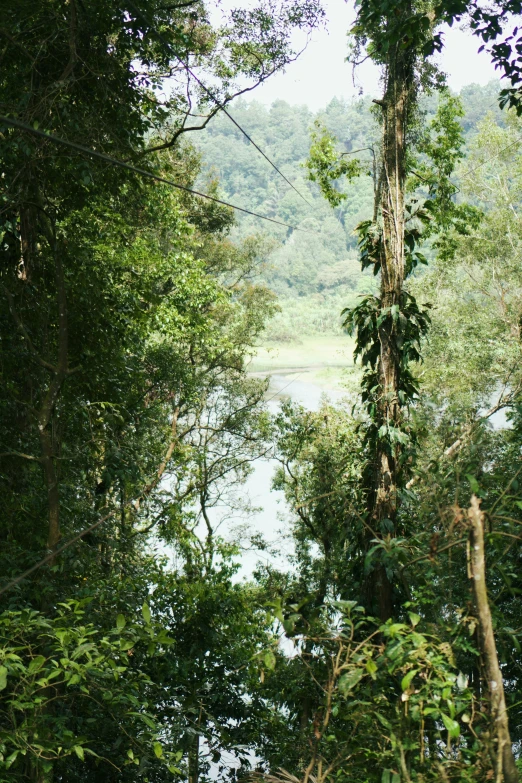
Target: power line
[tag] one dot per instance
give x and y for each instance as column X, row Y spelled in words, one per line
column 52, row 555
column 211, row 95
column 143, row 172
column 492, row 157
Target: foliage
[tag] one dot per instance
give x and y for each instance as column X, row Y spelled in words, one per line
column 322, row 459
column 61, row 677
column 382, row 702
column 221, row 635
column 325, row 167
column 403, row 323
column 126, row 413
column 129, row 424
column 344, row 548
column 408, row 324
column 476, row 295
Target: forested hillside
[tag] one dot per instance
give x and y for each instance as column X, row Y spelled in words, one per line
column 378, row 639
column 314, row 274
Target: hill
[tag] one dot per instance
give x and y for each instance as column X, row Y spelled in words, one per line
column 315, row 271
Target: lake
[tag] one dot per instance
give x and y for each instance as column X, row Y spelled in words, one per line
column 307, row 372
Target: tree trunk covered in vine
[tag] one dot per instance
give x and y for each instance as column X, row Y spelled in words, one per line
column 193, row 760
column 389, row 207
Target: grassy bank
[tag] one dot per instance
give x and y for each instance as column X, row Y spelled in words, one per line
column 326, row 361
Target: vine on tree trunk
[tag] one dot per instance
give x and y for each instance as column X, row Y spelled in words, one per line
column 389, row 327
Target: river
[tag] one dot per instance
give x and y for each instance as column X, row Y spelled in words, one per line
column 270, row 519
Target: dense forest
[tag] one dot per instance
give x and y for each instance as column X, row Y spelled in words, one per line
column 316, row 275
column 148, row 248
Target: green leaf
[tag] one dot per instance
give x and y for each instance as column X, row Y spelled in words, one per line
column 3, row 677
column 146, row 613
column 385, row 722
column 158, row 750
column 371, row 667
column 145, row 718
column 406, row 680
column 79, row 752
column 10, row 760
column 389, row 776
column 473, row 483
column 120, row 622
column 277, row 610
column 269, row 659
column 349, row 680
column 36, row 664
column 74, row 680
column 451, row 725
column 414, row 618
column 393, row 629
column 345, row 606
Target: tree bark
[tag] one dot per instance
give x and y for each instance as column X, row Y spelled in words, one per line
column 392, row 271
column 390, row 198
column 193, row 761
column 506, row 768
column 48, row 406
column 28, row 233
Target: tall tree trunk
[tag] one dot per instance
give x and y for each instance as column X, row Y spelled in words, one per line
column 390, row 208
column 193, row 760
column 506, row 768
column 59, row 373
column 28, row 233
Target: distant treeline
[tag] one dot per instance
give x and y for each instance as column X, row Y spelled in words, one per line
column 318, row 270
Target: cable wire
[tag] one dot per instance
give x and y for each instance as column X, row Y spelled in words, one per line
column 52, row 555
column 492, row 157
column 143, row 172
column 211, row 95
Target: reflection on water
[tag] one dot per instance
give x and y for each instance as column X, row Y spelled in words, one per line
column 307, row 394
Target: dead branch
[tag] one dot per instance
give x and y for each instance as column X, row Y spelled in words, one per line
column 505, row 761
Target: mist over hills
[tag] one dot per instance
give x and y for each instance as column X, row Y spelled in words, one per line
column 314, row 274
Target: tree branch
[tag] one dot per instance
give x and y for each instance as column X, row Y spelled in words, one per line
column 24, row 332
column 20, row 454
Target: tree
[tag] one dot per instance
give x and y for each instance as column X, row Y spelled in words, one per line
column 389, row 327
column 128, row 319
column 63, row 92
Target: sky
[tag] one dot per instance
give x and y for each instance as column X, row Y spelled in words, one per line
column 321, row 73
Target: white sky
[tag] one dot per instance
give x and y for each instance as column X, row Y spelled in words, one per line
column 321, row 72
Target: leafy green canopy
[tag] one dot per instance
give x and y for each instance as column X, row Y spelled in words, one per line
column 128, row 316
